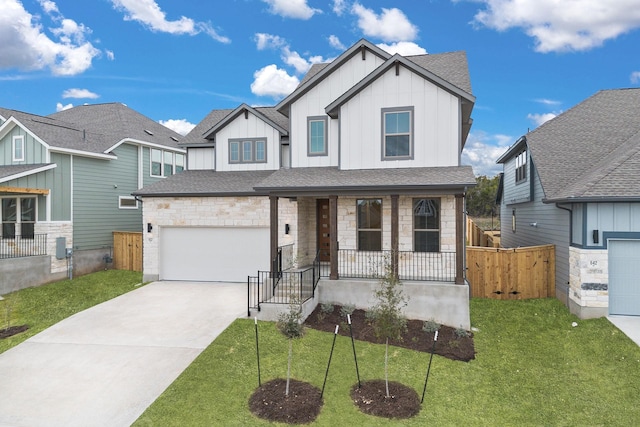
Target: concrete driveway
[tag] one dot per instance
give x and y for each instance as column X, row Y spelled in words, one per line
column 106, row 365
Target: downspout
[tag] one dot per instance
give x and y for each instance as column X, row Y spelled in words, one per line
column 464, row 234
column 570, row 238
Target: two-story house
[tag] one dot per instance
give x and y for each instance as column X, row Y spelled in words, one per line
column 574, row 182
column 65, row 186
column 358, row 168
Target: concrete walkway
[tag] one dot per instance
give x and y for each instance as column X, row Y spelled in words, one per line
column 630, row 325
column 106, row 365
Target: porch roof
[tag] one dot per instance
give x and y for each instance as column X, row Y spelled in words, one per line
column 11, row 172
column 333, row 180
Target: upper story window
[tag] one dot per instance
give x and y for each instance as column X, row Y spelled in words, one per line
column 397, row 133
column 317, row 136
column 18, row 148
column 426, row 225
column 521, row 166
column 253, row 150
column 166, row 163
column 369, row 224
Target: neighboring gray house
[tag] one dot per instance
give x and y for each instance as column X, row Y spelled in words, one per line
column 575, row 182
column 71, row 175
column 359, row 163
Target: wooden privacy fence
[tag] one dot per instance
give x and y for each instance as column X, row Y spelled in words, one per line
column 127, row 250
column 517, row 273
column 476, row 236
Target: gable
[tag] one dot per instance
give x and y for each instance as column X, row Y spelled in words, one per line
column 34, row 151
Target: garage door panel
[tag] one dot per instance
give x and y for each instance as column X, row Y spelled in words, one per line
column 226, row 254
column 624, row 285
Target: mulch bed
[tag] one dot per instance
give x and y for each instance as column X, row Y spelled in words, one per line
column 371, row 398
column 302, row 406
column 12, row 330
column 449, row 345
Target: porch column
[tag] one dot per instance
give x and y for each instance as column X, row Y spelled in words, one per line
column 273, row 229
column 333, row 234
column 395, row 246
column 460, row 239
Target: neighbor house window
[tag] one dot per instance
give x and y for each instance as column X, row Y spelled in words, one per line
column 127, row 202
column 166, row 163
column 252, row 150
column 317, row 136
column 369, row 224
column 521, row 166
column 397, row 133
column 14, row 208
column 18, row 148
column 426, row 225
column 513, row 220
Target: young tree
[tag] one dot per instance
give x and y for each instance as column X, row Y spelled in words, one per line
column 290, row 325
column 386, row 316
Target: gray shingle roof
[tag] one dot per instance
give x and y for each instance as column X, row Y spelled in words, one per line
column 591, row 151
column 206, row 183
column 9, row 171
column 450, row 66
column 332, row 178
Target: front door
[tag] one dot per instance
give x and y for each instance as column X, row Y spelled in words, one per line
column 324, row 238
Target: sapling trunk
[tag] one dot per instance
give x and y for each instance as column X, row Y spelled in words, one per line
column 386, row 366
column 286, row 392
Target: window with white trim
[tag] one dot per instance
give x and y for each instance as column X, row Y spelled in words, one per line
column 521, row 166
column 426, row 225
column 127, row 202
column 18, row 210
column 248, row 150
column 166, row 163
column 397, row 133
column 18, row 148
column 317, row 136
column 369, row 224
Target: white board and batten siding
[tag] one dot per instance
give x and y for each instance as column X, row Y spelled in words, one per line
column 250, row 128
column 313, row 104
column 221, row 254
column 436, row 133
column 201, row 158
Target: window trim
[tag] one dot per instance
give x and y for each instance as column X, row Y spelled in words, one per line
column 18, row 219
column 163, row 154
column 384, row 111
column 151, row 163
column 121, row 206
column 240, row 142
column 325, row 125
column 358, row 229
column 427, row 230
column 15, row 144
column 521, row 166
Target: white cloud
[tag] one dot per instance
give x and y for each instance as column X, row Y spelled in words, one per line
column 79, row 94
column 269, row 41
column 110, row 55
column 403, row 48
column 392, row 25
column 60, row 107
column 297, row 9
column 482, row 150
column 274, row 82
column 181, row 126
column 335, row 42
column 148, row 13
column 539, row 119
column 549, row 102
column 559, row 26
column 339, row 6
column 25, row 45
column 635, row 77
column 294, row 59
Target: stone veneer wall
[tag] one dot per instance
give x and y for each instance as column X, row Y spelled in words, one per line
column 588, row 282
column 246, row 211
column 53, row 231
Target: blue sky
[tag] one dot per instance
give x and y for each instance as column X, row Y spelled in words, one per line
column 174, row 61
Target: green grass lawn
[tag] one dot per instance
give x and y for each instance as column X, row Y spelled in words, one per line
column 531, row 368
column 43, row 306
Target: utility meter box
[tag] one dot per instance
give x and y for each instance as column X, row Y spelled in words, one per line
column 61, row 247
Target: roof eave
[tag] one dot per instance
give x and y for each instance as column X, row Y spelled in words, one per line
column 522, row 141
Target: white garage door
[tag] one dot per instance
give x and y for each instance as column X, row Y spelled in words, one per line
column 228, row 254
column 624, row 282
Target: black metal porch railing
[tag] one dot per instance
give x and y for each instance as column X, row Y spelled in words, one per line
column 282, row 286
column 18, row 246
column 420, row 266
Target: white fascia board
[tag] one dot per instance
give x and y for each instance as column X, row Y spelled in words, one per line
column 83, row 153
column 27, row 173
column 145, row 144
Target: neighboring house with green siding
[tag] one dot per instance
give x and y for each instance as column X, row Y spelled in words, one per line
column 70, row 175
